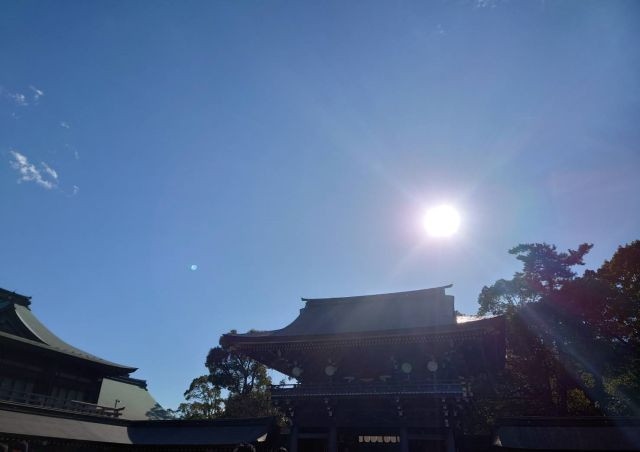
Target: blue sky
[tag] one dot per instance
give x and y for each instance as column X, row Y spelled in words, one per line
column 289, row 149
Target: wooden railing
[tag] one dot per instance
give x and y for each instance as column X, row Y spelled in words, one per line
column 40, row 400
column 455, row 389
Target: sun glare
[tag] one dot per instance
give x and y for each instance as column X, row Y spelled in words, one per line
column 441, row 221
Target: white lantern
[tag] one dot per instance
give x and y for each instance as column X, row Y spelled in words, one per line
column 330, row 370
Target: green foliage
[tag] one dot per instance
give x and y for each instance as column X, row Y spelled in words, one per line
column 504, row 295
column 579, row 404
column 203, row 400
column 618, row 321
column 246, row 381
column 544, row 271
column 255, row 404
column 621, row 276
column 572, row 342
column 238, row 374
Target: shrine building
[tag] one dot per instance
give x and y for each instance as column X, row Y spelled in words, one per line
column 56, row 397
column 39, row 368
column 392, row 372
column 388, row 372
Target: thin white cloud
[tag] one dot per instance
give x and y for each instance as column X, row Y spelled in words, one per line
column 65, row 125
column 46, row 177
column 50, row 171
column 75, row 152
column 19, row 98
column 76, row 189
column 37, row 93
column 486, row 3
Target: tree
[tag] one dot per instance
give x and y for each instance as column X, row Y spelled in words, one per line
column 203, row 400
column 238, row 374
column 621, row 275
column 544, row 271
column 255, row 404
column 597, row 316
column 572, row 342
column 506, row 294
column 539, row 373
column 245, row 379
column 609, row 300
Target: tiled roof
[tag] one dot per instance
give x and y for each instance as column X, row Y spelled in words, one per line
column 19, row 324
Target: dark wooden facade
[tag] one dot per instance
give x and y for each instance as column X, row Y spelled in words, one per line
column 51, row 393
column 379, row 372
column 39, row 368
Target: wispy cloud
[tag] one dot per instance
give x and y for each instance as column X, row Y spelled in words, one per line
column 37, row 93
column 76, row 189
column 45, row 176
column 22, row 99
column 50, row 171
column 486, row 3
column 19, row 99
column 64, row 125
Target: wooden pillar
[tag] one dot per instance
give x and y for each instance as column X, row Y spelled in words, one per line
column 333, row 439
column 293, row 439
column 404, row 440
column 451, row 444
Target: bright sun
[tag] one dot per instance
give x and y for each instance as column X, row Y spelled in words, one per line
column 441, row 221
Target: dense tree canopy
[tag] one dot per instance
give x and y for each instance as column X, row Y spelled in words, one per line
column 544, row 272
column 244, row 381
column 238, row 374
column 572, row 341
column 545, row 269
column 203, row 400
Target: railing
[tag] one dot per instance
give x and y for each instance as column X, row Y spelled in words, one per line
column 456, row 389
column 40, row 400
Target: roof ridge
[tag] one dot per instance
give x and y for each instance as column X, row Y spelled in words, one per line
column 31, row 330
column 354, row 298
column 14, row 297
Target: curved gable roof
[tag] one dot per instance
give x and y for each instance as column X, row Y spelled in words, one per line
column 368, row 313
column 18, row 323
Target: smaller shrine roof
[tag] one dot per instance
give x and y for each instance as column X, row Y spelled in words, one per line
column 18, row 324
column 410, row 295
column 418, row 310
